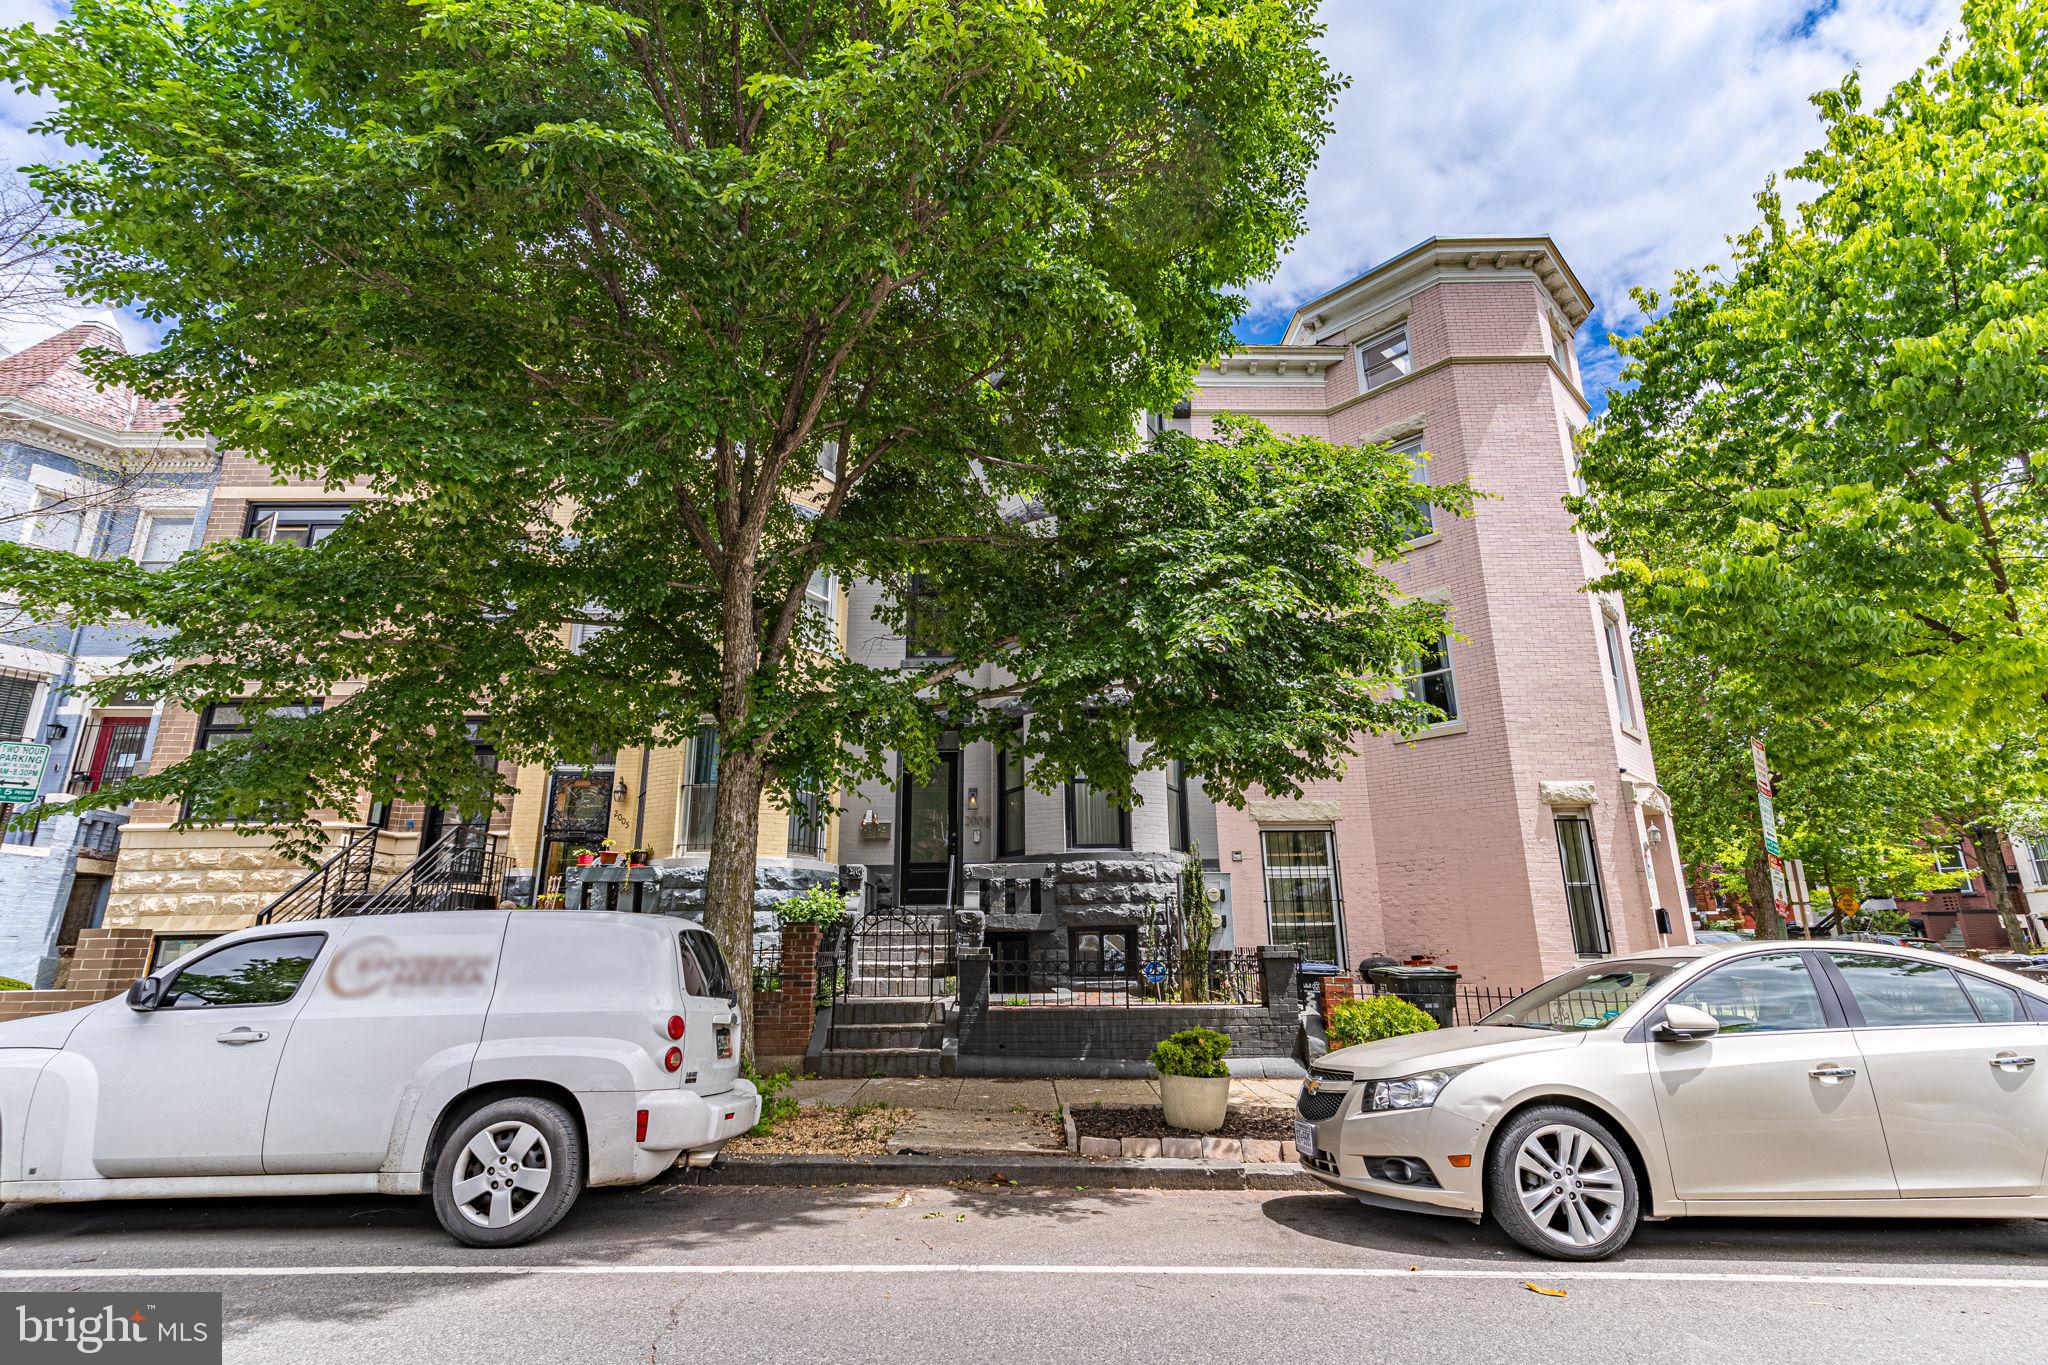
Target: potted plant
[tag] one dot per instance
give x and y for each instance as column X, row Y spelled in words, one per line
column 584, row 857
column 608, row 852
column 639, row 857
column 1194, row 1085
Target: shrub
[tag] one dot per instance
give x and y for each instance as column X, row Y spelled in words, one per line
column 1370, row 1018
column 775, row 1104
column 8, row 983
column 820, row 905
column 1192, row 1052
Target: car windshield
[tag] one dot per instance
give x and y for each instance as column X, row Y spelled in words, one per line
column 1589, row 998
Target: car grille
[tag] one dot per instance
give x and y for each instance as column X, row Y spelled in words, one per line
column 1316, row 1108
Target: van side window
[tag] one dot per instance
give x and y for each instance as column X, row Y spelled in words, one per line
column 693, row 972
column 263, row 971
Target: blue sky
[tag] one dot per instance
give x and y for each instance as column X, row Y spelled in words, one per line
column 1635, row 132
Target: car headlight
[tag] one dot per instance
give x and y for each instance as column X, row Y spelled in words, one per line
column 1405, row 1092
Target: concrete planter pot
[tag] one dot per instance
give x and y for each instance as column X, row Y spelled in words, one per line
column 1197, row 1104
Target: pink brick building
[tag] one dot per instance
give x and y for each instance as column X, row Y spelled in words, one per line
column 1527, row 832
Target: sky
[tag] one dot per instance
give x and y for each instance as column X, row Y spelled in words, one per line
column 1634, row 132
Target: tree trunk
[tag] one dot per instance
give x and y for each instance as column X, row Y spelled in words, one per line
column 729, row 880
column 1763, row 903
column 1991, row 857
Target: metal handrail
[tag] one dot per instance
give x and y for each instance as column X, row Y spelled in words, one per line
column 314, row 895
column 433, row 879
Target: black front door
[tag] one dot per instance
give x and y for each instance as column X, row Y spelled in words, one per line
column 579, row 816
column 928, row 825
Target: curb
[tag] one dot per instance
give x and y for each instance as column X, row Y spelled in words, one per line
column 1024, row 1171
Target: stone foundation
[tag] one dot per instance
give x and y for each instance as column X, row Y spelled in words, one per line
column 208, row 881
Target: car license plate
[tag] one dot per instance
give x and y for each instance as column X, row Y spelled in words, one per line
column 1304, row 1137
column 724, row 1036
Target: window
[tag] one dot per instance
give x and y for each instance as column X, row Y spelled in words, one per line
column 1384, row 358
column 219, row 725
column 1092, row 822
column 700, row 789
column 828, row 460
column 819, row 602
column 1425, row 510
column 2037, row 859
column 1010, row 799
column 1995, row 1004
column 1177, row 806
column 1895, row 993
column 1561, row 351
column 1108, row 951
column 59, row 524
column 1432, row 683
column 1949, row 858
column 1301, row 893
column 17, row 702
column 581, row 633
column 808, row 814
column 924, row 626
column 166, row 949
column 308, row 525
column 164, row 536
column 263, row 971
column 1617, row 669
column 1583, row 899
column 1770, row 994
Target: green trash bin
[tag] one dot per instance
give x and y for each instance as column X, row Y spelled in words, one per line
column 1433, row 990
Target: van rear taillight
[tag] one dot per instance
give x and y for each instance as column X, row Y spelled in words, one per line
column 675, row 1026
column 640, row 1126
column 674, row 1060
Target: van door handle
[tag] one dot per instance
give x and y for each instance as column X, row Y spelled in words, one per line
column 2011, row 1061
column 1832, row 1073
column 235, row 1037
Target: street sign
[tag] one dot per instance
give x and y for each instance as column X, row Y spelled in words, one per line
column 21, row 772
column 1761, row 764
column 1153, row 972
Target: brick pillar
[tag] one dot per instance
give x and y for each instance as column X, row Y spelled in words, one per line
column 107, row 960
column 1342, row 986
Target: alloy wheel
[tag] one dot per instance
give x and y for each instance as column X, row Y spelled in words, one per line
column 1570, row 1185
column 502, row 1173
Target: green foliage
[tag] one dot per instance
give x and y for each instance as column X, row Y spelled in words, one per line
column 821, row 905
column 1883, row 921
column 1192, row 1052
column 777, row 1103
column 1369, row 1018
column 8, row 983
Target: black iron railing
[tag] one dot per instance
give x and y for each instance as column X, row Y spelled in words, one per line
column 333, row 888
column 462, row 871
column 1061, row 979
column 906, row 951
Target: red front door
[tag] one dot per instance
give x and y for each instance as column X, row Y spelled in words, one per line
column 118, row 751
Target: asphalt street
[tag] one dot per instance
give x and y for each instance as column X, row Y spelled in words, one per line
column 734, row 1274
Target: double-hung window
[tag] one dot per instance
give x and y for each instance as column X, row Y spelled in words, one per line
column 1177, row 806
column 924, row 626
column 1431, row 683
column 162, row 537
column 1092, row 821
column 1301, row 893
column 1383, row 358
column 58, row 522
column 1949, row 858
column 1425, row 511
column 820, row 602
column 700, row 789
column 1584, row 899
column 1561, row 351
column 1010, row 799
column 2037, row 858
column 230, row 721
column 1617, row 669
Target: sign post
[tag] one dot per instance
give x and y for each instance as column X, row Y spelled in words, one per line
column 1780, row 895
column 21, row 772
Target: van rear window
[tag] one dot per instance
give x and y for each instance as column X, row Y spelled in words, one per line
column 693, row 971
column 703, row 949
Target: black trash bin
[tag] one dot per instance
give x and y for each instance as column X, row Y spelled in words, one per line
column 1308, row 980
column 1433, row 990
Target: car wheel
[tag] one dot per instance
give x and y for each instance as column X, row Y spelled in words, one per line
column 508, row 1173
column 1560, row 1183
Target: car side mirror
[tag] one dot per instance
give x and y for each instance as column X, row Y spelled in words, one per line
column 1684, row 1024
column 145, row 994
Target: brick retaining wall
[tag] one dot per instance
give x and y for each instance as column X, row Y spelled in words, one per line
column 783, row 1018
column 106, row 961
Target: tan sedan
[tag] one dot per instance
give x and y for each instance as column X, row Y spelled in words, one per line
column 1777, row 1079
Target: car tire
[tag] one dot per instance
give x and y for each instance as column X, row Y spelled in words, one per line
column 508, row 1172
column 1560, row 1182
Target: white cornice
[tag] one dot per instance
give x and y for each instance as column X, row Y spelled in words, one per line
column 1262, row 366
column 1437, row 261
column 45, row 428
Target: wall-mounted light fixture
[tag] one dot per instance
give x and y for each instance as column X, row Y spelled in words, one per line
column 974, row 798
column 55, row 731
column 621, row 790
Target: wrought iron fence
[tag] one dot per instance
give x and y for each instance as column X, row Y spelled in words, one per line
column 906, row 951
column 767, row 967
column 1061, row 979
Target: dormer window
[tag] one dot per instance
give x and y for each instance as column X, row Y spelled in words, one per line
column 1384, row 358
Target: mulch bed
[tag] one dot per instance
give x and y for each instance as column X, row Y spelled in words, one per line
column 863, row 1130
column 1262, row 1122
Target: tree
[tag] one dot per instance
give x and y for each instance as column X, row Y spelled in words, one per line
column 1822, row 467
column 588, row 294
column 31, row 290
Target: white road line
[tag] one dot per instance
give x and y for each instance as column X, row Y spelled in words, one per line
column 970, row 1268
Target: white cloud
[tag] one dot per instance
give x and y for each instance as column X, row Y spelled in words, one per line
column 1637, row 134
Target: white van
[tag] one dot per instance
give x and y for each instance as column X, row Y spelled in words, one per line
column 500, row 1060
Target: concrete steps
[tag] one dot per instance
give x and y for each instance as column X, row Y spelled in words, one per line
column 885, row 1036
column 880, row 1061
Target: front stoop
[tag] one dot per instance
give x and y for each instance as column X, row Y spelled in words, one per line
column 886, row 1036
